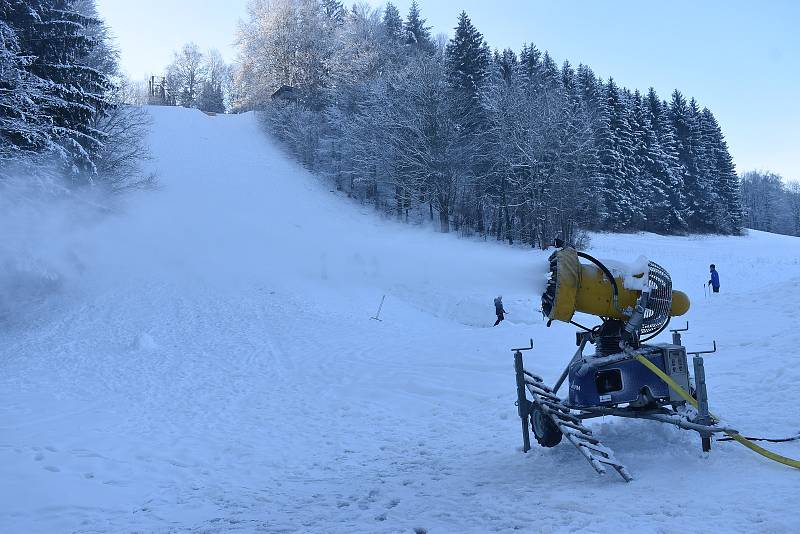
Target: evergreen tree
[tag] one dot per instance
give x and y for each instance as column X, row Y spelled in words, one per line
column 699, row 178
column 393, row 23
column 655, row 112
column 53, row 40
column 467, row 58
column 507, row 63
column 334, row 10
column 392, row 41
column 594, row 106
column 550, row 79
column 418, row 36
column 23, row 126
column 686, row 133
column 661, row 193
column 667, row 164
column 569, row 81
column 103, row 57
column 530, row 60
column 648, row 189
column 467, row 63
column 211, row 98
column 728, row 207
column 587, row 84
column 579, row 161
column 580, row 87
column 616, row 161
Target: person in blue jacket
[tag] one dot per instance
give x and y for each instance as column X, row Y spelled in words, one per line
column 714, row 282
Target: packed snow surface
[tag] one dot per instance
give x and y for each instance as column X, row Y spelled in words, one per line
column 208, row 363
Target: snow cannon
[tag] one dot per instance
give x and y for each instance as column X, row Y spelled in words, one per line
column 610, row 290
column 625, row 376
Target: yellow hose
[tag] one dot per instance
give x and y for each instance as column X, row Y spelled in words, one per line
column 738, row 437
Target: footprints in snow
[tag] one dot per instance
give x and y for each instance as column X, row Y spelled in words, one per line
column 56, row 461
column 40, row 457
column 367, row 502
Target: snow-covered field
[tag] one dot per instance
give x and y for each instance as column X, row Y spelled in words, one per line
column 205, row 361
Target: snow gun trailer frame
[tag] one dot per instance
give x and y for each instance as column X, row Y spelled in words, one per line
column 598, row 387
column 626, row 376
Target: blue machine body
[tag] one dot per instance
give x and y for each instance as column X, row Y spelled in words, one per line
column 628, row 381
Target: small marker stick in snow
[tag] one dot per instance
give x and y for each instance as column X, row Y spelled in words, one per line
column 377, row 315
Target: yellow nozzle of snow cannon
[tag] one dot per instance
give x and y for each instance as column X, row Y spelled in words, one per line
column 576, row 286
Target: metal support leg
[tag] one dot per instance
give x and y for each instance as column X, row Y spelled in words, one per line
column 704, row 418
column 676, row 334
column 523, row 404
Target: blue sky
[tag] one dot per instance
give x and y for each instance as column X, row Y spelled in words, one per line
column 741, row 59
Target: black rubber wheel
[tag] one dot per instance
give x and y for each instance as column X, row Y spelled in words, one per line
column 545, row 430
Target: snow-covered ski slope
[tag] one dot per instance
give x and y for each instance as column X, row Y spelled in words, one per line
column 212, row 367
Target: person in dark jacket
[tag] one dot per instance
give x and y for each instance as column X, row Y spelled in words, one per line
column 714, row 282
column 498, row 309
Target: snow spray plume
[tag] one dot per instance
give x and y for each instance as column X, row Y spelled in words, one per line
column 40, row 220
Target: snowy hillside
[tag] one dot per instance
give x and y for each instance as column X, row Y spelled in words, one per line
column 210, row 365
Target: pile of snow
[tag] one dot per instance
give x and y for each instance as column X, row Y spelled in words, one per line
column 634, row 275
column 214, row 368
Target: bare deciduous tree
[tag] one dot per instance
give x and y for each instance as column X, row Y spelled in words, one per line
column 127, row 125
column 185, row 75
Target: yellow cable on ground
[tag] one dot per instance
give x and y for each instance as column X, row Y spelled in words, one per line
column 691, row 400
